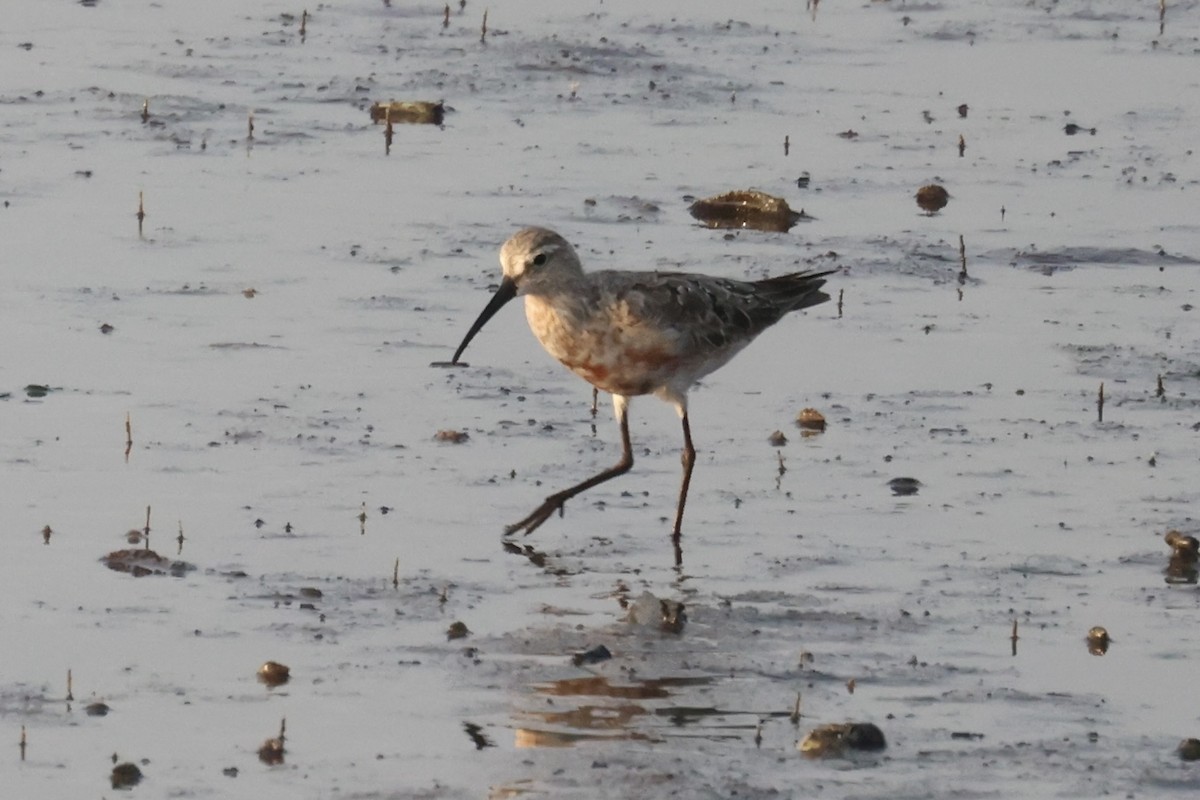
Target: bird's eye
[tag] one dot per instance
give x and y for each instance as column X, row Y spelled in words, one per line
column 539, row 259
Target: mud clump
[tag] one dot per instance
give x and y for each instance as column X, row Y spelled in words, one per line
column 273, row 674
column 932, row 198
column 125, row 776
column 840, row 740
column 141, row 562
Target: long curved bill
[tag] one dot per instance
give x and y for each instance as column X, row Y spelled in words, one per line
column 506, row 292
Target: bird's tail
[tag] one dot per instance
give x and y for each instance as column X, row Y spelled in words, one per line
column 795, row 291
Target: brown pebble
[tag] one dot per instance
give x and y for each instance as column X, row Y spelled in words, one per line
column 1098, row 641
column 271, row 752
column 1189, row 750
column 272, row 673
column 126, row 775
column 1187, row 548
column 932, row 198
column 811, row 420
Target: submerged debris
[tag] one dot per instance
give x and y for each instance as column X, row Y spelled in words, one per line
column 453, row 437
column 747, row 209
column 837, row 740
column 419, row 112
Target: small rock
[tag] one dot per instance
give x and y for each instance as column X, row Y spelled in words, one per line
column 125, row 776
column 273, row 674
column 932, row 198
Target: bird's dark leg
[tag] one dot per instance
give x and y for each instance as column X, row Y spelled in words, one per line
column 595, row 400
column 556, row 501
column 689, row 461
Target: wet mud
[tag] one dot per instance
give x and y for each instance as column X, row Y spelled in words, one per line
column 224, row 285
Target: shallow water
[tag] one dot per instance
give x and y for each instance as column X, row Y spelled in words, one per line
column 290, row 435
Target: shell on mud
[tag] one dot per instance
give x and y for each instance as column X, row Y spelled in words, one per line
column 271, row 752
column 932, row 198
column 273, row 674
column 1098, row 641
column 141, row 562
column 810, row 421
column 125, row 776
column 418, row 112
column 747, row 209
column 1189, row 750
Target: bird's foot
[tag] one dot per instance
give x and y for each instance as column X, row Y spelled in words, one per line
column 540, row 515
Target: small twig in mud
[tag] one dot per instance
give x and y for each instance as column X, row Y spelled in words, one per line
column 1159, row 391
column 795, row 715
column 146, row 110
column 362, row 520
column 128, row 436
column 250, row 127
column 1100, row 404
column 396, row 566
column 841, row 292
column 962, row 145
column 786, row 145
column 1014, row 637
column 70, row 695
column 303, row 25
column 483, row 30
column 141, row 212
column 758, row 734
